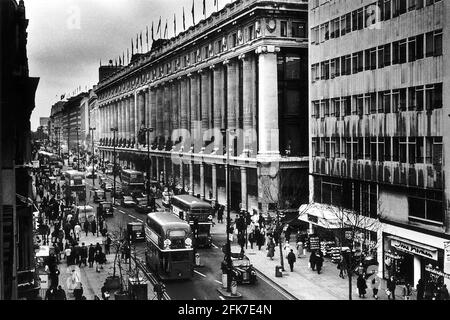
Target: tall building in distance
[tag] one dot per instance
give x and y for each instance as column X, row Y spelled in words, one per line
column 244, row 68
column 379, row 126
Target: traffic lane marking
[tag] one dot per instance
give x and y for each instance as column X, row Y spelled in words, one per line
column 221, row 298
column 214, row 246
column 199, row 273
column 217, row 281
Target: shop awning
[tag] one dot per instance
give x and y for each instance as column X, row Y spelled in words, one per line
column 320, row 215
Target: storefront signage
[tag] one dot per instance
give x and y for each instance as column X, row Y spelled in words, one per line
column 447, row 252
column 410, row 248
column 314, row 243
column 437, row 272
column 313, row 219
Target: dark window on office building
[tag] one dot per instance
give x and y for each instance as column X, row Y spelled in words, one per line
column 293, row 102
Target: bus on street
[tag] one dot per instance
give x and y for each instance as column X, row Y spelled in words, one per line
column 132, row 181
column 198, row 214
column 169, row 250
column 75, row 184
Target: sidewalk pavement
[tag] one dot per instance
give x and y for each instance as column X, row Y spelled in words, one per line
column 305, row 284
column 91, row 280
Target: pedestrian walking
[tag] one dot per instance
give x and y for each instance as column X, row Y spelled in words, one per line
column 390, row 291
column 361, row 285
column 342, row 266
column 220, row 214
column 251, row 239
column 291, row 259
column 420, row 289
column 443, row 293
column 299, row 249
column 319, row 261
column 86, row 227
column 83, row 255
column 375, row 285
column 91, row 255
column 68, row 252
column 108, row 244
column 271, row 249
column 60, row 294
column 78, row 292
column 93, row 227
column 407, row 291
column 312, row 260
column 77, row 231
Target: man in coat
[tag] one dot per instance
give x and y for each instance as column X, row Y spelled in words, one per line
column 291, row 259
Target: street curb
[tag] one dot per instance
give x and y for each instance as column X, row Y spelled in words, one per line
column 276, row 286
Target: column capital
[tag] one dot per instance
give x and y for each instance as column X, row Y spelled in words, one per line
column 267, row 49
column 200, row 71
column 243, row 56
column 226, row 62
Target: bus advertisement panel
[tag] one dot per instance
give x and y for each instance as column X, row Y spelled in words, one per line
column 75, row 183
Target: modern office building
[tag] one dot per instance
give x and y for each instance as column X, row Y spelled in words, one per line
column 379, row 126
column 244, row 68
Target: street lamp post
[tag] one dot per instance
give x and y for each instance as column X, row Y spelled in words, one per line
column 92, row 147
column 78, row 149
column 114, row 130
column 227, row 187
column 148, row 130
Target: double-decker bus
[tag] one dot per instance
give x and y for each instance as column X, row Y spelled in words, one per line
column 169, row 250
column 75, row 183
column 198, row 214
column 132, row 181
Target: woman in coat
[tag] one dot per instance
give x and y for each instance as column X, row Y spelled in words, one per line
column 271, row 249
column 391, row 288
column 375, row 285
column 319, row 261
column 362, row 286
column 312, row 260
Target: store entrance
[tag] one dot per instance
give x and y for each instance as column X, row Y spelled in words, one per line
column 406, row 269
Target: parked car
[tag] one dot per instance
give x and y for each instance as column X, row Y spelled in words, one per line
column 127, row 202
column 245, row 273
column 106, row 208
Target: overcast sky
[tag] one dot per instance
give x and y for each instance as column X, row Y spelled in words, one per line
column 68, row 38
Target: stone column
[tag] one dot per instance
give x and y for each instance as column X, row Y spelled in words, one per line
column 164, row 170
column 191, row 178
column 159, row 112
column 214, row 180
column 152, row 112
column 166, row 114
column 132, row 118
column 232, row 93
column 158, row 175
column 147, row 107
column 219, row 102
column 141, row 111
column 202, row 180
column 249, row 90
column 268, row 102
column 195, row 122
column 136, row 118
column 175, row 106
column 205, row 102
column 122, row 118
column 244, row 188
column 184, row 104
column 127, row 119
